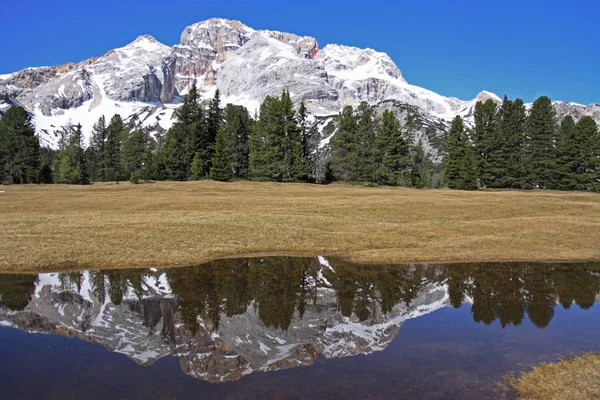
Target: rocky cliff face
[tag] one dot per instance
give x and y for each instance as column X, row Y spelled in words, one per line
column 246, row 65
column 147, row 325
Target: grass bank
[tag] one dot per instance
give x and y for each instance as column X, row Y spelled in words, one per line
column 573, row 379
column 177, row 223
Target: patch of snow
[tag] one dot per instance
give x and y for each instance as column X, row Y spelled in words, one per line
column 264, row 348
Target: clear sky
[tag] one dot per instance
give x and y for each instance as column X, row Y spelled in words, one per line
column 457, row 48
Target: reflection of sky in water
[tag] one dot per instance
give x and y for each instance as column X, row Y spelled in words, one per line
column 442, row 354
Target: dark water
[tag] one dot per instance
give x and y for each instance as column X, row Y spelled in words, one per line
column 291, row 328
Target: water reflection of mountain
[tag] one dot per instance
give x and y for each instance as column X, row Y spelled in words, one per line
column 226, row 319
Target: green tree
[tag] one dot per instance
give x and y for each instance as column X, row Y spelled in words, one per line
column 112, row 149
column 136, row 155
column 221, row 161
column 392, row 152
column 197, row 168
column 268, row 142
column 420, row 167
column 344, row 147
column 187, row 136
column 512, row 120
column 96, row 152
column 297, row 165
column 486, row 143
column 542, row 135
column 19, row 148
column 70, row 161
column 586, row 132
column 366, row 131
column 460, row 162
column 237, row 126
column 568, row 153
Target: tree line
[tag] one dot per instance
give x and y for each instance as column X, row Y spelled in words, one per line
column 511, row 147
column 508, row 147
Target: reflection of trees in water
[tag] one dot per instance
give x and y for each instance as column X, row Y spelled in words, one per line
column 505, row 292
column 282, row 287
column 16, row 290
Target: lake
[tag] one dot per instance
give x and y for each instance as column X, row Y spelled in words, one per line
column 299, row 328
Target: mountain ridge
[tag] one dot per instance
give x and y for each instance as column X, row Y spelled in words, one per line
column 145, row 79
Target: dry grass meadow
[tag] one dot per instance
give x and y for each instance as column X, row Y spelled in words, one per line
column 572, row 379
column 180, row 223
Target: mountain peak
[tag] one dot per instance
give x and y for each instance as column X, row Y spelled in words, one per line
column 485, row 95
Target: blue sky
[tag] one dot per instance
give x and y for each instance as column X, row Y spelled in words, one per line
column 455, row 47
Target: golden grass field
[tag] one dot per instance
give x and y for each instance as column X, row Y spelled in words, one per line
column 110, row 225
column 572, row 379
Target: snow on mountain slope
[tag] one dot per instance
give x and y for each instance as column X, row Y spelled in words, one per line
column 146, row 78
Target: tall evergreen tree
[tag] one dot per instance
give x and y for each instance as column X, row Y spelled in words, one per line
column 294, row 164
column 568, row 155
column 366, row 151
column 486, row 143
column 237, row 126
column 19, row 148
column 344, row 147
column 542, row 135
column 267, row 142
column 586, row 131
column 392, row 152
column 136, row 155
column 419, row 166
column 221, row 162
column 460, row 161
column 96, row 151
column 70, row 162
column 112, row 149
column 512, row 119
column 187, row 136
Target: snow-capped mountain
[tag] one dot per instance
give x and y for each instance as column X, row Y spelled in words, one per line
column 147, row 325
column 145, row 79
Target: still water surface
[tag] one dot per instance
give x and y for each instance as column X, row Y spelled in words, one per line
column 291, row 328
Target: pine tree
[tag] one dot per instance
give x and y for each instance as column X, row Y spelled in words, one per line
column 542, row 135
column 419, row 166
column 187, row 136
column 197, row 168
column 344, row 147
column 460, row 161
column 112, row 149
column 317, row 155
column 237, row 126
column 366, row 134
column 469, row 168
column 47, row 160
column 486, row 143
column 392, row 152
column 568, row 155
column 221, row 161
column 268, row 142
column 19, row 148
column 304, row 130
column 70, row 162
column 512, row 119
column 294, row 164
column 214, row 119
column 136, row 155
column 96, row 151
column 586, row 132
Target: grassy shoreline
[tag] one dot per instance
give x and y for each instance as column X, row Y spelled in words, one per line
column 569, row 378
column 181, row 223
